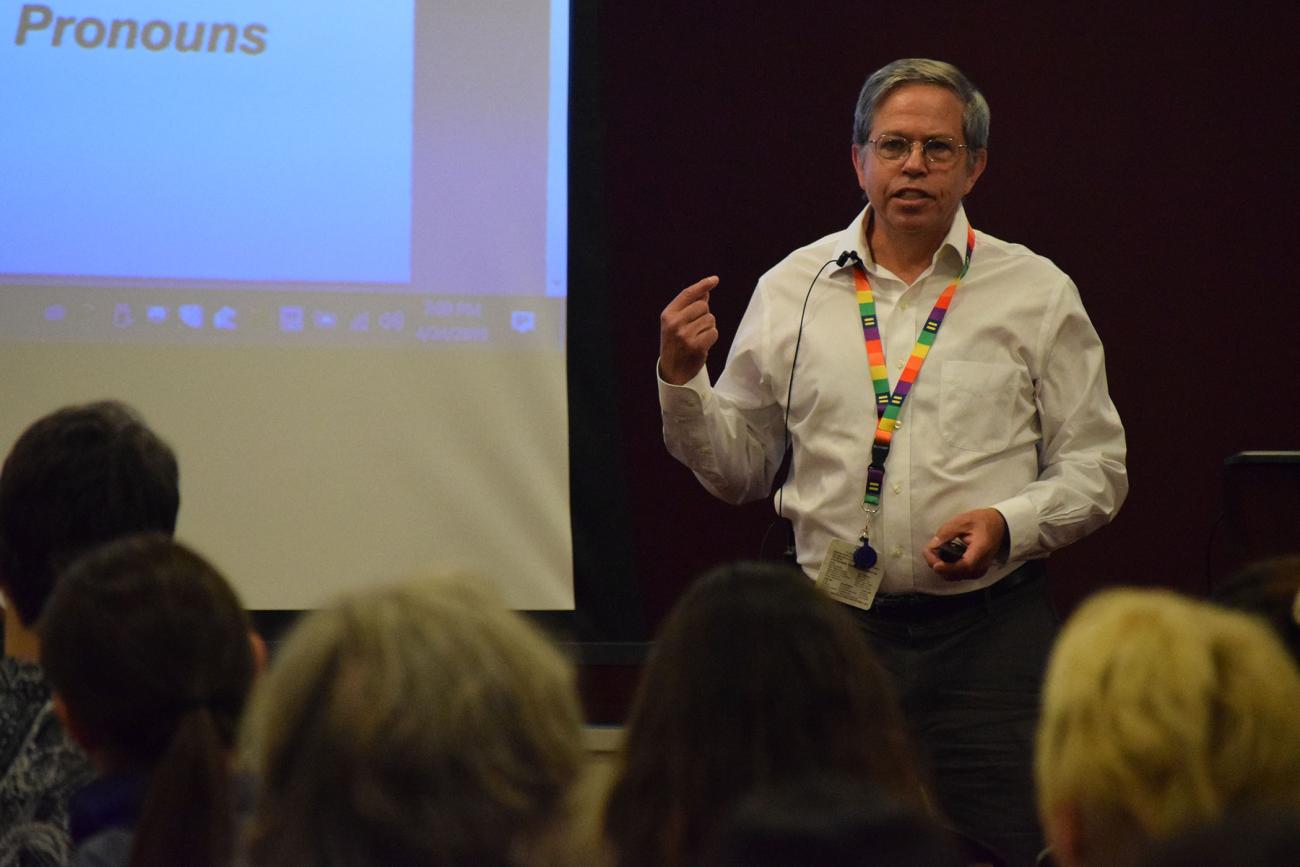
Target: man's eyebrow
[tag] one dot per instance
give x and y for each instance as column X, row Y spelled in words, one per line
column 955, row 136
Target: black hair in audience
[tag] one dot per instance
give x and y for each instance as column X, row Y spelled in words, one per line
column 76, row 478
column 150, row 653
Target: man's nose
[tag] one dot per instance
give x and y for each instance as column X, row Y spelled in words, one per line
column 915, row 162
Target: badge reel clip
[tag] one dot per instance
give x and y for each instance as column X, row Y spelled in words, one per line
column 865, row 556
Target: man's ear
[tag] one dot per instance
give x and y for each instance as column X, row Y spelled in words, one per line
column 258, row 644
column 978, row 165
column 858, row 154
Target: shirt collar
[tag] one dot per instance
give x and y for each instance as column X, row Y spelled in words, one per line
column 854, row 237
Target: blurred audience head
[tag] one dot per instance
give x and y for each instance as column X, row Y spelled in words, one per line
column 829, row 821
column 756, row 679
column 151, row 659
column 424, row 724
column 1161, row 713
column 1268, row 589
column 74, row 479
column 1255, row 838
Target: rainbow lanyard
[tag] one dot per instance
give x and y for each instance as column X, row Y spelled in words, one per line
column 888, row 405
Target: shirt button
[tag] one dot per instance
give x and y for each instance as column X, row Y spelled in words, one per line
column 898, row 551
column 900, row 365
column 903, row 306
column 898, row 489
column 898, row 425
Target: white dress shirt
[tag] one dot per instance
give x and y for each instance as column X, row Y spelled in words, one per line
column 1009, row 411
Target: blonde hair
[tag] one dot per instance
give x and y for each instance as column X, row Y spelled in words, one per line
column 1160, row 713
column 422, row 724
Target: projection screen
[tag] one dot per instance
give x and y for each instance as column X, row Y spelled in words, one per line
column 322, row 249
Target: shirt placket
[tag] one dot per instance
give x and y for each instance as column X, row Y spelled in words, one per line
column 901, row 326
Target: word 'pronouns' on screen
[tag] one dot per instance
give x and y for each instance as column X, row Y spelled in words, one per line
column 41, row 26
column 179, row 156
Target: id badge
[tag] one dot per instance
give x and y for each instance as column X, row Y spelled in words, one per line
column 846, row 583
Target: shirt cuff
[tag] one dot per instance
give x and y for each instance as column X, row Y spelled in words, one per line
column 1022, row 527
column 685, row 398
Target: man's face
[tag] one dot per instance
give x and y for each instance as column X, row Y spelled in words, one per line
column 911, row 197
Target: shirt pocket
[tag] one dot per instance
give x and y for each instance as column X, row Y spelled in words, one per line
column 976, row 404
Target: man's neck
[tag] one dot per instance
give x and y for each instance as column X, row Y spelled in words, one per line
column 905, row 255
column 20, row 641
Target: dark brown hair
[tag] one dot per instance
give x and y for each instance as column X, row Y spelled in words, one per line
column 148, row 647
column 757, row 678
column 1268, row 589
column 77, row 478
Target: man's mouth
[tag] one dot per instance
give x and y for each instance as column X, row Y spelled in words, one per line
column 911, row 194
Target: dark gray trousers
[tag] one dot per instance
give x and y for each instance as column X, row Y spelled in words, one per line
column 969, row 672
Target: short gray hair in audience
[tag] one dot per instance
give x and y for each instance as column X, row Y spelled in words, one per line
column 420, row 724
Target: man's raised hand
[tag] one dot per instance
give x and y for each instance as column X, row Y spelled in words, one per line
column 687, row 330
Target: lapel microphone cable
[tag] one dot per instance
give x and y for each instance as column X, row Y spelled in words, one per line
column 790, row 554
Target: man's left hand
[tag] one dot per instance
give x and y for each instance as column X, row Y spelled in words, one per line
column 982, row 530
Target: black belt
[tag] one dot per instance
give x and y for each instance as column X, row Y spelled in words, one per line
column 924, row 606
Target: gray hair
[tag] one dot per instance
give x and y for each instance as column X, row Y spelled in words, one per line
column 424, row 723
column 919, row 70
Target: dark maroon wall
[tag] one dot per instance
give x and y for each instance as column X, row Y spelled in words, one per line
column 1152, row 154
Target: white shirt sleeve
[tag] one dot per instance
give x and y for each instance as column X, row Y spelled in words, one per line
column 731, row 436
column 1082, row 480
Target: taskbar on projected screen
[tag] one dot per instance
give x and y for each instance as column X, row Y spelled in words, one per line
column 214, row 317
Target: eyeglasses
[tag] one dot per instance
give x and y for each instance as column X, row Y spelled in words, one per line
column 938, row 151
